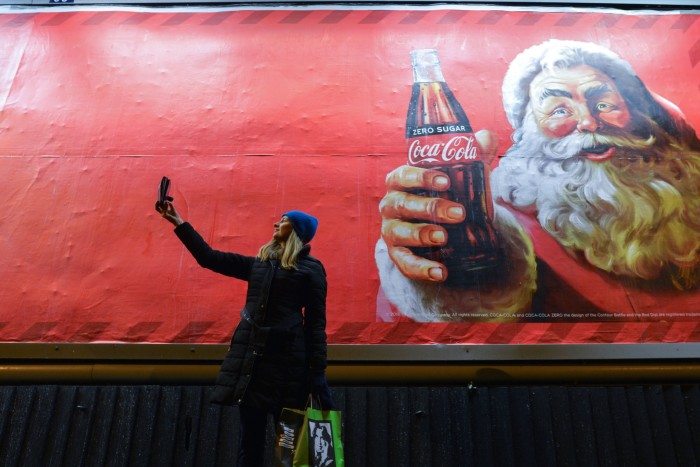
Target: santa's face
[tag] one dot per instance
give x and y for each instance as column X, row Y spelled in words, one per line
column 624, row 193
column 580, row 99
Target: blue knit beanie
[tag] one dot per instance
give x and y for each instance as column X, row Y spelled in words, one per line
column 304, row 224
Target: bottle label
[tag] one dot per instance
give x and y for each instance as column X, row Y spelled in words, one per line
column 436, row 151
column 448, row 128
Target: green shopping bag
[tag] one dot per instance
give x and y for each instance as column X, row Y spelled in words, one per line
column 310, row 438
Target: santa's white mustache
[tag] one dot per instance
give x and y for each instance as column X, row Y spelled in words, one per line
column 575, row 144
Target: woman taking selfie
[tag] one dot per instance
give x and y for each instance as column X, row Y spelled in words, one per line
column 277, row 355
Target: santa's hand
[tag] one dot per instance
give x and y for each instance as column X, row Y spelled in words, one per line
column 402, row 212
column 488, row 143
column 401, row 209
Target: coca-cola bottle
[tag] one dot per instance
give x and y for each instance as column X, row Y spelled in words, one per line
column 440, row 137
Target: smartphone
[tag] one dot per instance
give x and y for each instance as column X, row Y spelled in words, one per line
column 163, row 192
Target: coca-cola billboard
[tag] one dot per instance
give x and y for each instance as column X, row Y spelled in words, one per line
column 473, row 182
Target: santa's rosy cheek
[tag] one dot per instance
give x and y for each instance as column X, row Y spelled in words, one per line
column 617, row 119
column 557, row 128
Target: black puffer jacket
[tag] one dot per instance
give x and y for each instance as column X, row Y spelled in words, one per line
column 271, row 356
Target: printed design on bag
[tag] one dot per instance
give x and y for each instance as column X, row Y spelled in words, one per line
column 286, row 436
column 321, row 443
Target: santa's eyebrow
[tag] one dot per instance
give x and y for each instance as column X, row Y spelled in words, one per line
column 548, row 92
column 598, row 91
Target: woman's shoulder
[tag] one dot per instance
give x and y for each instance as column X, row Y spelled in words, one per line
column 311, row 263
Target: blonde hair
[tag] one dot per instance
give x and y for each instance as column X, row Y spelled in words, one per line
column 287, row 254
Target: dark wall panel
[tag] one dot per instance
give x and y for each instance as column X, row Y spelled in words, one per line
column 395, row 426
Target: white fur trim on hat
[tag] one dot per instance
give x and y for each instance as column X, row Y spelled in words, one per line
column 556, row 53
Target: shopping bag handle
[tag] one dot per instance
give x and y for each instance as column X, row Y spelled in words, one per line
column 310, row 402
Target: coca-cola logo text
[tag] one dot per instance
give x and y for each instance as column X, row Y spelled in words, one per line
column 459, row 148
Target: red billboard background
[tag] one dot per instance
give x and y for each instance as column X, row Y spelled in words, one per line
column 252, row 113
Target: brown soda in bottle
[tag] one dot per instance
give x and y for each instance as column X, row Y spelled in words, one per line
column 440, row 137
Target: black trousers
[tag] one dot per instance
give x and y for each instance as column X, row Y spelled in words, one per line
column 252, row 435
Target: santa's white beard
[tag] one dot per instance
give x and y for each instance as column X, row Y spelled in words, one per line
column 631, row 215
